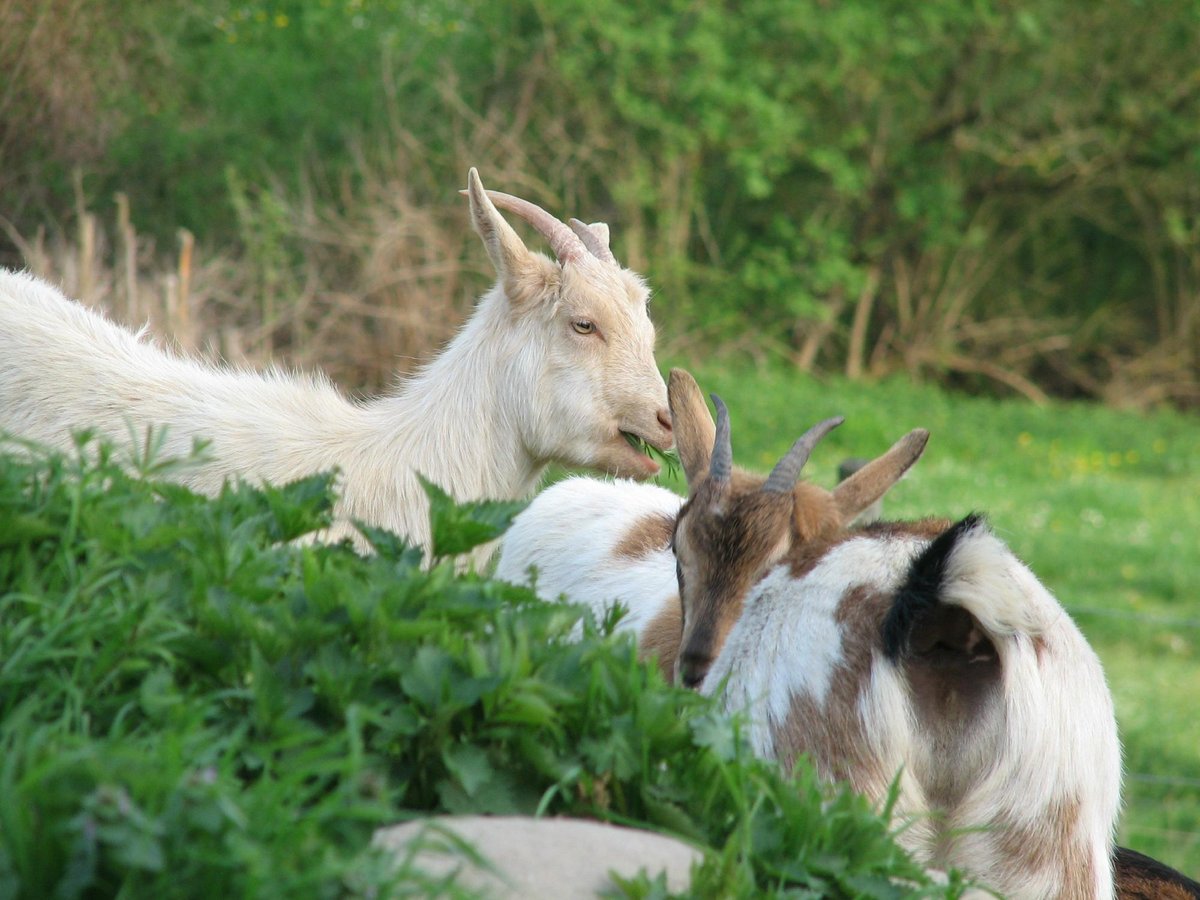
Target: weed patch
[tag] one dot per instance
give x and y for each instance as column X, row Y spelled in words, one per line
column 192, row 703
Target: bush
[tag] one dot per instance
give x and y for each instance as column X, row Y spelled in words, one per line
column 996, row 195
column 191, row 704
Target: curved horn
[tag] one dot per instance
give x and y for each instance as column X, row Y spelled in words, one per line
column 721, row 463
column 595, row 238
column 563, row 241
column 783, row 477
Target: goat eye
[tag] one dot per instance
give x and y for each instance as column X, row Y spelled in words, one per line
column 583, row 326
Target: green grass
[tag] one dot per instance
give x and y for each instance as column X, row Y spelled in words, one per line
column 193, row 706
column 1103, row 505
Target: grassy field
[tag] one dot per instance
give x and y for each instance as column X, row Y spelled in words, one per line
column 1103, row 505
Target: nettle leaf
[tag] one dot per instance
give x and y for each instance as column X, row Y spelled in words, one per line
column 476, row 785
column 669, row 814
column 616, row 751
column 390, row 546
column 496, row 797
column 269, row 693
column 459, row 527
column 427, row 677
column 470, row 765
column 303, row 505
column 283, row 513
column 713, row 730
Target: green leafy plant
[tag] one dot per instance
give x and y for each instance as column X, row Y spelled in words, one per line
column 457, row 528
column 191, row 703
column 997, row 196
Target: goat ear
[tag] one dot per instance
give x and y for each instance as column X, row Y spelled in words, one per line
column 876, row 478
column 595, row 238
column 600, row 230
column 692, row 423
column 507, row 251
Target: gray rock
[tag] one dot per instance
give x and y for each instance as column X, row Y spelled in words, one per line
column 516, row 857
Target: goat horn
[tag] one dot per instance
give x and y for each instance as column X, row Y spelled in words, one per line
column 721, row 464
column 566, row 245
column 783, row 477
column 594, row 238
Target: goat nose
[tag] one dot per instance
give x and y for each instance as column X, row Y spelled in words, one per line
column 664, row 419
column 692, row 675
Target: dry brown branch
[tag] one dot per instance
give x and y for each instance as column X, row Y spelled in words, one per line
column 1014, row 380
column 183, row 317
column 817, row 332
column 858, row 329
column 128, row 238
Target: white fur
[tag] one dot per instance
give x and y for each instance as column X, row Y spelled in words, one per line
column 774, row 633
column 517, row 388
column 568, row 534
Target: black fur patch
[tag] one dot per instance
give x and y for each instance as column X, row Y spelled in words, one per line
column 920, row 594
column 1140, row 876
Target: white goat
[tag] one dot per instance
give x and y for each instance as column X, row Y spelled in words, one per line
column 924, row 651
column 555, row 364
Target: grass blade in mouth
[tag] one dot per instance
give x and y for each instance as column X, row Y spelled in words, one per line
column 668, row 459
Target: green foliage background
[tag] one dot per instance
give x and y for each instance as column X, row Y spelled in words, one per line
column 1002, row 195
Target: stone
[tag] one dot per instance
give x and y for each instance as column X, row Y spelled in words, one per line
column 521, row 858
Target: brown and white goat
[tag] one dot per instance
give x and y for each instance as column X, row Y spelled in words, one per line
column 918, row 653
column 923, row 653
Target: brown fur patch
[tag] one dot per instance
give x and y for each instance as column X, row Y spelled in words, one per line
column 951, row 668
column 649, row 534
column 1052, row 845
column 833, row 734
column 814, row 515
column 661, row 637
column 921, row 528
column 725, row 539
column 953, row 674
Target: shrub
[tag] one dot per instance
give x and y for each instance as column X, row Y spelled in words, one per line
column 996, row 195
